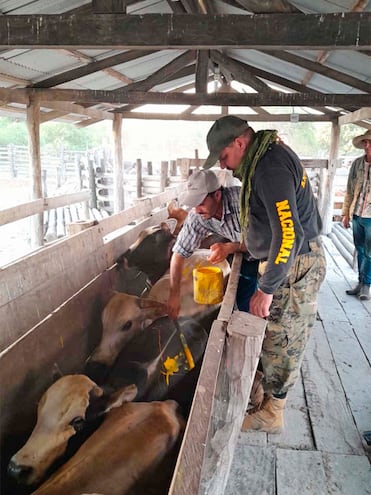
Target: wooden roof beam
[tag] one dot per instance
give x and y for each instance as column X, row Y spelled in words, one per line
column 272, row 98
column 355, row 117
column 191, row 31
column 212, row 117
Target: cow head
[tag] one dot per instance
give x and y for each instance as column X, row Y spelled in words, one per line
column 150, row 253
column 64, row 409
column 123, row 317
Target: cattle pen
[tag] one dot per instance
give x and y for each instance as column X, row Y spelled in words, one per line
column 52, row 301
column 271, row 63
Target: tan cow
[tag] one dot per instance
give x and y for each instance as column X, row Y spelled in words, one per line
column 133, row 439
column 123, row 316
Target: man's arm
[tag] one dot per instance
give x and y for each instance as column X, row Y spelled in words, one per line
column 176, row 268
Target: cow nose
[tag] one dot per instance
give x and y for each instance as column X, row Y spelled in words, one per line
column 19, row 472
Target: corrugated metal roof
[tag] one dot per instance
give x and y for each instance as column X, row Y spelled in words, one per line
column 25, row 67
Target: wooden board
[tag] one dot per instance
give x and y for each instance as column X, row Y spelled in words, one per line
column 332, row 422
column 300, row 472
column 253, row 470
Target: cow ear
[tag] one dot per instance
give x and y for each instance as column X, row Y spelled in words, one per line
column 169, row 224
column 95, row 392
column 147, row 303
column 125, row 394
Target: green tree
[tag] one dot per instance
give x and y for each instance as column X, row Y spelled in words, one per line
column 12, row 131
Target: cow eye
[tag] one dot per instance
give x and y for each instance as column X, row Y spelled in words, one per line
column 78, row 423
column 127, row 326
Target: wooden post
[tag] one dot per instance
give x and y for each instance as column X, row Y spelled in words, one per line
column 118, row 175
column 164, row 173
column 13, row 168
column 139, row 178
column 44, row 174
column 197, row 160
column 328, row 200
column 93, row 190
column 173, row 168
column 149, row 168
column 33, row 126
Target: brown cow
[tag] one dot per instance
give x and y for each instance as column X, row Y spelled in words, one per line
column 123, row 317
column 131, row 441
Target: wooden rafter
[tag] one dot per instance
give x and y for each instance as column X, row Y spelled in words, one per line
column 267, row 6
column 321, row 69
column 202, row 70
column 90, row 68
column 151, row 31
column 163, row 73
column 239, row 72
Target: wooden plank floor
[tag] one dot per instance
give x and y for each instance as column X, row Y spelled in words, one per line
column 321, row 450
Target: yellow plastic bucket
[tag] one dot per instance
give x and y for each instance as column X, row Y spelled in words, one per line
column 208, row 285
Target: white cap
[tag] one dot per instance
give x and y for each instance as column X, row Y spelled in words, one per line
column 200, row 184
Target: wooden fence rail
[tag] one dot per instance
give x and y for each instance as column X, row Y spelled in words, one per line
column 39, row 205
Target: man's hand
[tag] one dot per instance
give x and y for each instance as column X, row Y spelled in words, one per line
column 173, row 306
column 220, row 251
column 345, row 221
column 260, row 304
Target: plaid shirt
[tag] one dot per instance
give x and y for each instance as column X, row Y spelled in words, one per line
column 196, row 228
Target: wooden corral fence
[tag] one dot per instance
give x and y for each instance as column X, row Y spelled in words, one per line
column 50, row 308
column 53, row 274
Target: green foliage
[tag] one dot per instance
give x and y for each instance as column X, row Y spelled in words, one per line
column 12, row 132
column 55, row 135
column 70, row 137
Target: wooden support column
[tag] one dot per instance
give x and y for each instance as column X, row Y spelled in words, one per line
column 33, row 126
column 118, row 175
column 139, row 178
column 328, row 203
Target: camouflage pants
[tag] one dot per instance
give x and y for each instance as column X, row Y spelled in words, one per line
column 291, row 319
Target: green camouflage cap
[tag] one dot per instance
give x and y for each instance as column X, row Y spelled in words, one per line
column 221, row 134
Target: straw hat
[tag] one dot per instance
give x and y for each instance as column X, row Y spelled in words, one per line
column 357, row 141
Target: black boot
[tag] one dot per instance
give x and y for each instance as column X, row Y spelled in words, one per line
column 355, row 291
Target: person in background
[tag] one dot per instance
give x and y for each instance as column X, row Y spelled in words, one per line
column 215, row 210
column 280, row 225
column 357, row 206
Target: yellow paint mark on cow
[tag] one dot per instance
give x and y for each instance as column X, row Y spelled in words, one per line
column 288, row 232
column 171, row 366
column 61, row 341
